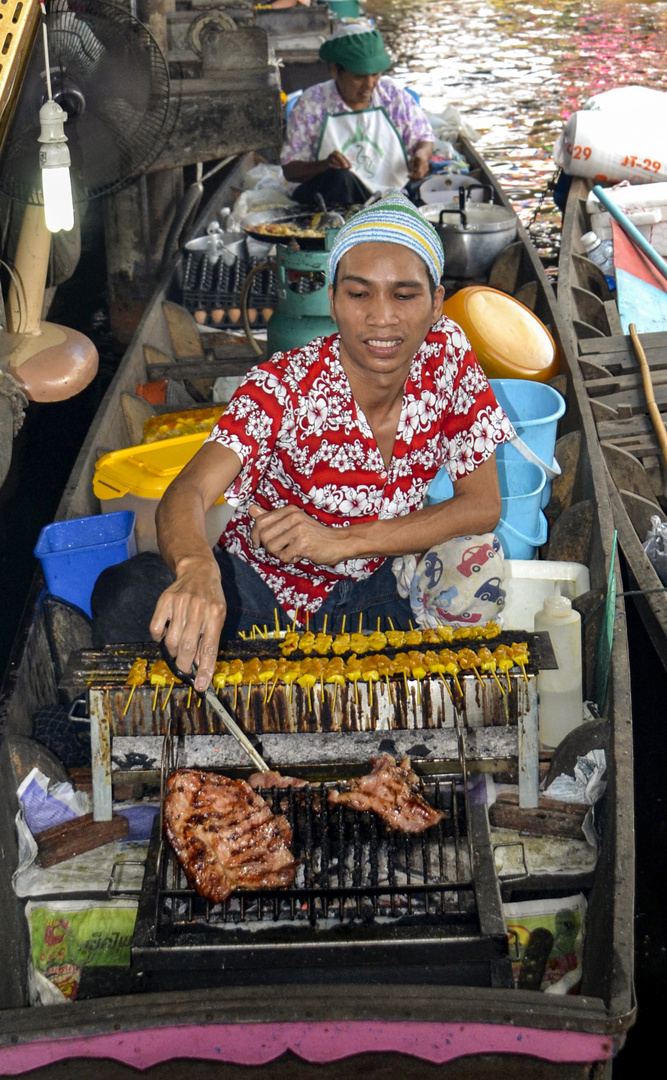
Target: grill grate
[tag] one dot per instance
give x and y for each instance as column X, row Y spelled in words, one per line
column 351, row 866
column 364, row 895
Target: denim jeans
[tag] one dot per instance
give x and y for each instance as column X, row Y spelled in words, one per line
column 125, row 596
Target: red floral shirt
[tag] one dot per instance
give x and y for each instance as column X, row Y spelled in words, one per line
column 302, row 439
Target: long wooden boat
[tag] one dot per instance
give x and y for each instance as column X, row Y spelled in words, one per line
column 306, row 1026
column 612, row 381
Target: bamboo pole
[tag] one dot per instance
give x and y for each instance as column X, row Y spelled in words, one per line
column 654, row 411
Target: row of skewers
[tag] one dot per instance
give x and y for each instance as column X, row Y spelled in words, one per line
column 322, row 643
column 335, row 671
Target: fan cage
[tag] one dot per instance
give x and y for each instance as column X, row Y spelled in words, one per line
column 81, row 35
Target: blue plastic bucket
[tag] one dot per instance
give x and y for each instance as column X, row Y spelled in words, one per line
column 516, row 544
column 522, row 526
column 534, row 409
column 74, row 553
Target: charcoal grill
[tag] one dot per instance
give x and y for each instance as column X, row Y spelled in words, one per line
column 411, row 717
column 364, row 897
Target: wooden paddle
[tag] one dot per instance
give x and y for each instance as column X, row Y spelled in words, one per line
column 654, row 411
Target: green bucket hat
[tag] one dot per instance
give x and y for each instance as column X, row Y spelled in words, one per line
column 362, row 53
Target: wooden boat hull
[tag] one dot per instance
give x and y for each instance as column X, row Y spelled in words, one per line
column 307, row 1029
column 612, row 384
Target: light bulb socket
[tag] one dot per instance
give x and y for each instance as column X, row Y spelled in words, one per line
column 51, row 121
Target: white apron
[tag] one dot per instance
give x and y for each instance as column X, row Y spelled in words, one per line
column 369, row 140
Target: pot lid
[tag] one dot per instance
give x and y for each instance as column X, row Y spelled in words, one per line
column 481, row 218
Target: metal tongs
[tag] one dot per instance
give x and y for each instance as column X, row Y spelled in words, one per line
column 211, row 697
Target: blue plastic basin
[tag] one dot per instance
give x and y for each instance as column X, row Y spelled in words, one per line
column 74, row 553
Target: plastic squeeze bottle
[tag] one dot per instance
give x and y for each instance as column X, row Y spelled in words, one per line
column 560, row 707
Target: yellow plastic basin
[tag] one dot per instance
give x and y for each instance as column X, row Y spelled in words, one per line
column 509, row 341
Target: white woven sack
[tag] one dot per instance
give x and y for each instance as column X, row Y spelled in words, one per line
column 606, row 145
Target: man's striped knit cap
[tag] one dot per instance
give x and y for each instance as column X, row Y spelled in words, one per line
column 392, row 220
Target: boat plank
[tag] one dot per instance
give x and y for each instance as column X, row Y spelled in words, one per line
column 621, row 343
column 627, row 471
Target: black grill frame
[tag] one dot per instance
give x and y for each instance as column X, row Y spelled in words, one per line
column 454, row 919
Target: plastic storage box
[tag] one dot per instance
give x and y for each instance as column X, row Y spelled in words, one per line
column 136, row 478
column 73, row 553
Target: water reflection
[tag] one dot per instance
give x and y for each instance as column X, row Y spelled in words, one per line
column 517, row 68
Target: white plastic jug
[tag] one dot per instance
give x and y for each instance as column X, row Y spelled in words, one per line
column 560, row 695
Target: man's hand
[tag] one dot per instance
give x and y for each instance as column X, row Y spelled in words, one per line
column 419, row 161
column 190, row 615
column 290, row 534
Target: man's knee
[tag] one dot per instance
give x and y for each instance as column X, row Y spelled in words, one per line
column 125, row 596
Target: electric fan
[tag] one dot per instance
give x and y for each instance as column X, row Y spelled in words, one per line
column 111, row 78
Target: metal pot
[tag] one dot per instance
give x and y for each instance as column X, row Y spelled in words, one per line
column 472, row 235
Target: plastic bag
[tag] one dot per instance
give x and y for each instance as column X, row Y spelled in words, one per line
column 450, row 124
column 655, row 546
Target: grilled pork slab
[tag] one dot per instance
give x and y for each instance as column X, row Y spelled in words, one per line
column 225, row 836
column 274, row 779
column 392, row 792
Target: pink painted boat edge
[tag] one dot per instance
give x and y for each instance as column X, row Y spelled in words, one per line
column 257, row 1044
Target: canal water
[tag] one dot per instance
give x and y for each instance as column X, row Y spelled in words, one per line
column 515, row 69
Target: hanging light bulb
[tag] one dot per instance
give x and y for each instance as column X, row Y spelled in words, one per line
column 55, row 161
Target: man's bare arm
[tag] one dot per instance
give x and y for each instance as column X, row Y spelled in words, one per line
column 190, row 614
column 291, row 534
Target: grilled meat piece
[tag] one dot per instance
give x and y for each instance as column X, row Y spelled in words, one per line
column 274, row 779
column 392, row 792
column 225, row 836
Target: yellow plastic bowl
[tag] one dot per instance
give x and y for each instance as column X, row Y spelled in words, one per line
column 509, row 341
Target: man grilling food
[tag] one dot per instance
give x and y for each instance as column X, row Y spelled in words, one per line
column 360, row 132
column 327, row 452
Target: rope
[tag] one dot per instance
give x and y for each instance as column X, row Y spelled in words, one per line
column 10, row 389
column 549, row 186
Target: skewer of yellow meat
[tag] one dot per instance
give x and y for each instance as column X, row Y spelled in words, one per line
column 419, row 670
column 377, row 641
column 353, row 673
column 488, row 663
column 306, row 642
column 359, row 643
column 519, row 651
column 341, row 643
column 219, row 675
column 267, row 670
column 281, row 667
column 290, row 643
column 290, row 674
column 370, row 674
column 505, row 661
column 385, row 668
column 437, row 667
column 322, row 643
column 450, row 660
column 335, row 673
column 160, row 675
column 307, row 679
column 402, row 666
column 135, row 677
column 469, row 660
column 234, row 677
